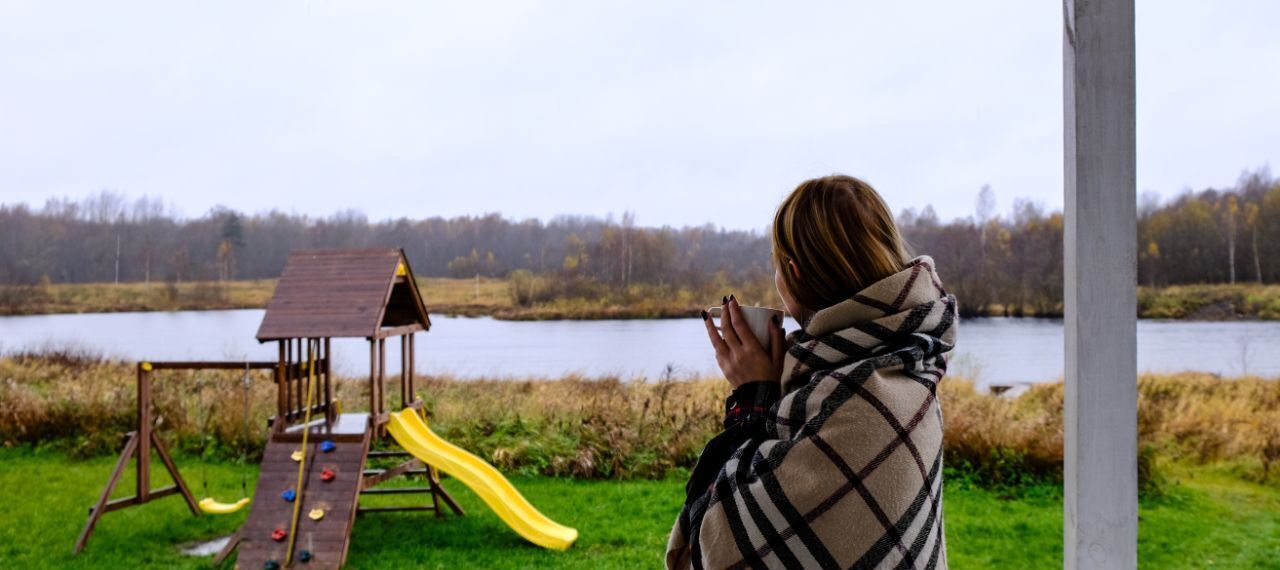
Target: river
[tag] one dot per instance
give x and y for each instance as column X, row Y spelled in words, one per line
column 991, row 350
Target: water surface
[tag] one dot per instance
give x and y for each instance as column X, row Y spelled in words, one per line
column 994, row 350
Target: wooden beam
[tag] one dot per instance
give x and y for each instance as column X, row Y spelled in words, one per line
column 368, row 472
column 209, row 365
column 117, row 504
column 441, row 494
column 1101, row 491
column 373, row 480
column 363, row 510
column 179, row 484
column 399, row 490
column 398, row 331
column 228, row 549
column 100, row 508
column 299, row 369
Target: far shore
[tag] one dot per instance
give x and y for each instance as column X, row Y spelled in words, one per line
column 492, row 297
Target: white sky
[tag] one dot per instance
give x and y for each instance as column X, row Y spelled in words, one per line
column 683, row 113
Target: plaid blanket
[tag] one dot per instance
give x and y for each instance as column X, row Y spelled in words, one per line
column 840, row 464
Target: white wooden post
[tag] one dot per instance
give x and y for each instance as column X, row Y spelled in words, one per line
column 1101, row 486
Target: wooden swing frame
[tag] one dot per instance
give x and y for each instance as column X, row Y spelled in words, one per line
column 140, row 442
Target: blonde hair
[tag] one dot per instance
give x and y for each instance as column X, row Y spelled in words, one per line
column 841, row 236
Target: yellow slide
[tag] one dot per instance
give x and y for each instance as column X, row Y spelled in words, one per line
column 412, row 433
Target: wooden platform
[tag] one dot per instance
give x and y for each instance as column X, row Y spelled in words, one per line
column 327, row 539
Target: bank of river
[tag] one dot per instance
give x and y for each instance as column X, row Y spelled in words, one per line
column 492, row 297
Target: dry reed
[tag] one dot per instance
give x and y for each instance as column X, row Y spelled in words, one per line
column 619, row 428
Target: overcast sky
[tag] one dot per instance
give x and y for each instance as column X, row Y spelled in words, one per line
column 684, row 112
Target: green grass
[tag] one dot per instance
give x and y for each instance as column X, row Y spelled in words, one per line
column 46, row 497
column 1204, row 520
column 1207, row 519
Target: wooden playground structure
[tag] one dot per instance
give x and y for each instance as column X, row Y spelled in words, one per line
column 314, row 465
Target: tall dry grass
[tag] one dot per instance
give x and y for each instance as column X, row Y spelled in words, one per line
column 618, row 428
column 1212, row 301
column 49, row 298
column 577, row 426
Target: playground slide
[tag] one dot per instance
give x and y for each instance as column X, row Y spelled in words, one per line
column 412, row 433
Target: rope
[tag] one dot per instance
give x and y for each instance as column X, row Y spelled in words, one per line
column 306, row 429
column 203, row 415
column 244, row 437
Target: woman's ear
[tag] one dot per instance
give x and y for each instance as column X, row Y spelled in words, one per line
column 795, row 271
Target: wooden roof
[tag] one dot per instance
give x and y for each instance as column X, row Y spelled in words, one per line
column 344, row 293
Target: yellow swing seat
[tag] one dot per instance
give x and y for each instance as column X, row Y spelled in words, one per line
column 213, row 507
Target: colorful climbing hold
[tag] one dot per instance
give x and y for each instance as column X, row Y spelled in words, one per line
column 278, row 534
column 327, row 446
column 271, row 565
column 316, row 514
column 327, row 475
column 289, row 495
column 297, row 455
column 304, row 556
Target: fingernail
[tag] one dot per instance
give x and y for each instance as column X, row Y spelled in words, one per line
column 731, row 297
column 704, row 315
column 724, row 300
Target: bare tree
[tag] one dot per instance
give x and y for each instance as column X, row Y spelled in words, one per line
column 628, row 226
column 1230, row 208
column 1251, row 213
column 985, row 210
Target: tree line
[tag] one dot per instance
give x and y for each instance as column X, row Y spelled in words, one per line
column 1009, row 263
column 107, row 238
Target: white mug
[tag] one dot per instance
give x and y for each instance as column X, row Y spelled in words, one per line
column 759, row 319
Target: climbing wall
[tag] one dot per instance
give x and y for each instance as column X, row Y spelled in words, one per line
column 335, row 463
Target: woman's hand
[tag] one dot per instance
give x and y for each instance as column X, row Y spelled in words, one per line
column 739, row 354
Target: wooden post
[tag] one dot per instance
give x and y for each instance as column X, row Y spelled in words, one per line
column 282, row 386
column 299, row 378
column 1101, row 492
column 290, row 358
column 143, row 482
column 328, row 382
column 404, row 371
column 308, row 379
column 373, row 381
column 413, row 395
column 382, row 385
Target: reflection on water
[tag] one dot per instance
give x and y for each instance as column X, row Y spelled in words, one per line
column 996, row 350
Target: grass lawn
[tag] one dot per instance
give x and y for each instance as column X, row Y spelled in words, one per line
column 1207, row 519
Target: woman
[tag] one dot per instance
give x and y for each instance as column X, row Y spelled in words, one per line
column 831, row 454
